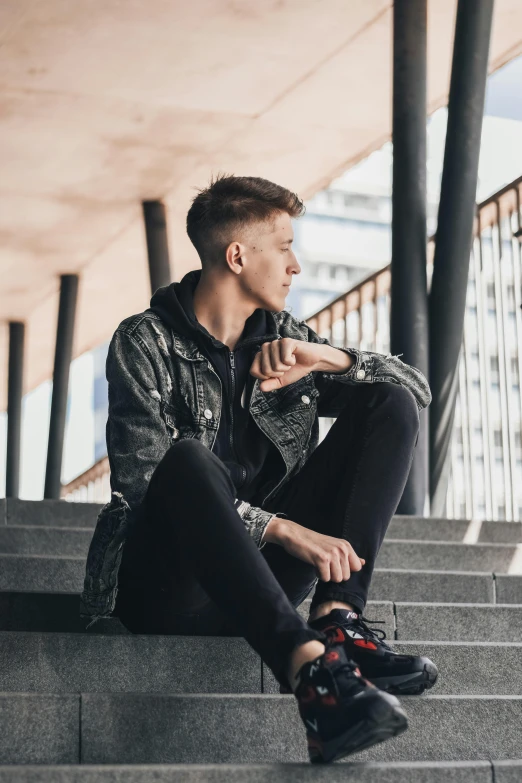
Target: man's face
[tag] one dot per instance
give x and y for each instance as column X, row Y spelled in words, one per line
column 269, row 263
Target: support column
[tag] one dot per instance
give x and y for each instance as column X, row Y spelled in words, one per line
column 409, row 299
column 157, row 244
column 62, row 364
column 454, row 231
column 14, row 408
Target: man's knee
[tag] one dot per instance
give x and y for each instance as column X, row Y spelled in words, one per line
column 400, row 404
column 182, row 456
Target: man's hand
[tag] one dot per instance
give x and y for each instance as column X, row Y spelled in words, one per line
column 334, row 558
column 282, row 362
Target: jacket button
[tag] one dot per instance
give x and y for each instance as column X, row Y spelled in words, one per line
column 305, row 399
column 207, row 414
column 360, row 375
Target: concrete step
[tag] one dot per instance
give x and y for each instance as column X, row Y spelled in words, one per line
column 60, row 513
column 395, row 584
column 449, row 556
column 459, row 622
column 239, row 728
column 42, row 573
column 395, row 553
column 54, row 513
column 39, row 728
column 465, row 668
column 508, row 589
column 45, row 612
column 64, row 663
column 369, row 772
column 60, row 612
column 44, row 540
column 459, row 530
column 462, row 622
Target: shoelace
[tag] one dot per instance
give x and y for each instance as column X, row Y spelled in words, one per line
column 371, row 633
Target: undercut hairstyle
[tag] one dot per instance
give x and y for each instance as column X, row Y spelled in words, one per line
column 230, row 204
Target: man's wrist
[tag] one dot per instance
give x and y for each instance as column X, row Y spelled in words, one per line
column 334, row 360
column 275, row 530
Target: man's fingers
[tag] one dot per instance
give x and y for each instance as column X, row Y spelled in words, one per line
column 276, row 360
column 286, row 351
column 336, row 571
column 267, row 363
column 355, row 561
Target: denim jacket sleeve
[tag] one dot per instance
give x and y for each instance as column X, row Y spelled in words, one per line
column 367, row 367
column 137, row 436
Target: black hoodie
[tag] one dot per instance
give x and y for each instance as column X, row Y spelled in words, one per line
column 248, row 454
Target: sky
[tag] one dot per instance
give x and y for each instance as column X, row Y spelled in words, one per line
column 500, row 163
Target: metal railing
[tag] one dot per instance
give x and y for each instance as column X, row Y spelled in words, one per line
column 91, row 486
column 486, row 452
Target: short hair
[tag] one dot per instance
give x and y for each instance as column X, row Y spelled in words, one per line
column 231, row 203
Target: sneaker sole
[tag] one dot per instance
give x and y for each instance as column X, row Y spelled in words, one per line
column 370, row 731
column 408, row 684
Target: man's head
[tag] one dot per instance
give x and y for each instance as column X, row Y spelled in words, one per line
column 242, row 226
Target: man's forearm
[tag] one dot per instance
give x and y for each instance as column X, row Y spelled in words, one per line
column 275, row 530
column 334, row 360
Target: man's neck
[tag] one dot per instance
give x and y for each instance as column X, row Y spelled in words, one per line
column 218, row 308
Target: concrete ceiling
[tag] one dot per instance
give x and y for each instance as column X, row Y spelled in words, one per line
column 105, row 103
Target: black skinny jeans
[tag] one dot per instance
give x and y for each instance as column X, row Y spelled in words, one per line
column 190, row 567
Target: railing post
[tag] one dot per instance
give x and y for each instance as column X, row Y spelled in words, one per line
column 409, row 299
column 447, row 299
column 157, row 244
column 62, row 364
column 14, row 408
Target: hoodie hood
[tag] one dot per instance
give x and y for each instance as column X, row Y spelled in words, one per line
column 174, row 304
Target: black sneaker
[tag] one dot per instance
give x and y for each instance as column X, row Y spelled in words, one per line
column 388, row 670
column 343, row 713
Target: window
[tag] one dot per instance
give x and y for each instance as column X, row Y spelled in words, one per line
column 497, row 438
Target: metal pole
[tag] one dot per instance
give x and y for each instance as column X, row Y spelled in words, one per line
column 14, row 408
column 157, row 244
column 409, row 298
column 62, row 363
column 447, row 299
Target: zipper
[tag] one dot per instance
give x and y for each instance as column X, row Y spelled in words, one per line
column 211, row 369
column 232, row 396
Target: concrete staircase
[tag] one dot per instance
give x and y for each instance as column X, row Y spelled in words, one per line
column 105, row 705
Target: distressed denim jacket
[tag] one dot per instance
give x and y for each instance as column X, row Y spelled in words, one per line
column 163, row 390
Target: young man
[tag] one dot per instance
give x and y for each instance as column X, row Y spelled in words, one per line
column 225, row 510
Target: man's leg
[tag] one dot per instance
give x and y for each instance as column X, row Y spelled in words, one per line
column 349, row 488
column 188, row 535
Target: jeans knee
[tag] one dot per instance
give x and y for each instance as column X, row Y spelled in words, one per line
column 401, row 405
column 183, row 455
